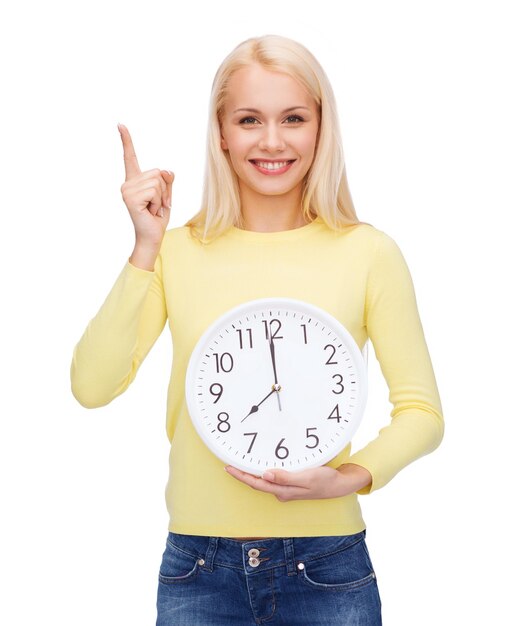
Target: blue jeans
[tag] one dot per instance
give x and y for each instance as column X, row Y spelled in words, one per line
column 312, row 581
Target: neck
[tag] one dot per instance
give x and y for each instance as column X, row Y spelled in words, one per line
column 268, row 214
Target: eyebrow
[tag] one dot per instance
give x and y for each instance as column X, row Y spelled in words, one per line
column 258, row 111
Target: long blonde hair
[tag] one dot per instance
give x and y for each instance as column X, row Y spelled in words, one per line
column 325, row 190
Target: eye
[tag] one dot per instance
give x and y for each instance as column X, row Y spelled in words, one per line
column 295, row 118
column 247, row 120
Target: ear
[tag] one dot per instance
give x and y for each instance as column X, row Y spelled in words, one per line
column 224, row 145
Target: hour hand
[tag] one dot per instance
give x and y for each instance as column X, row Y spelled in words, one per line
column 255, row 408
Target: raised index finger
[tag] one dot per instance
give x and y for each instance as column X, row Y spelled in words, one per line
column 131, row 165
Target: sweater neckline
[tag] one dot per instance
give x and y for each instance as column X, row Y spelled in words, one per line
column 280, row 235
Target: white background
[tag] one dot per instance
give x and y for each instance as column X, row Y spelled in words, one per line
column 431, row 98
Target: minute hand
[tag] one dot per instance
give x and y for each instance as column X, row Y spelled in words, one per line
column 273, row 356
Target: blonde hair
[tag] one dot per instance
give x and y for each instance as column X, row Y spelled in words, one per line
column 325, row 192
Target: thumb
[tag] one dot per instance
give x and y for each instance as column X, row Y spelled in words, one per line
column 276, row 476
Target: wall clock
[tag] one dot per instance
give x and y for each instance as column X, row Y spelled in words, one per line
column 276, row 383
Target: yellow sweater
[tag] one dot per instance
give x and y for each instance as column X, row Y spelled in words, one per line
column 358, row 275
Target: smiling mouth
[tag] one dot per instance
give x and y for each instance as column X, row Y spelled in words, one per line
column 272, row 166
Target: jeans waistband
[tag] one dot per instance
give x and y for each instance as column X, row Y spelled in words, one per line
column 260, row 554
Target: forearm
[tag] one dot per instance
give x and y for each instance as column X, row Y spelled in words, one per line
column 108, row 355
column 408, row 437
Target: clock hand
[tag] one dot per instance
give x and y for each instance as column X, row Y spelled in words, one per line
column 273, row 356
column 279, row 402
column 255, row 408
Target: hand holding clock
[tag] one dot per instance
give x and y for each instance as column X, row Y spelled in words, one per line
column 310, row 484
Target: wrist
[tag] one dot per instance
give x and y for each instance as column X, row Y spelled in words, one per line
column 357, row 477
column 144, row 255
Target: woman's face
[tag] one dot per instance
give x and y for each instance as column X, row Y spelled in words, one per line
column 269, row 128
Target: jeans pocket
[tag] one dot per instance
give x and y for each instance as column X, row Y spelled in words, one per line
column 177, row 566
column 349, row 568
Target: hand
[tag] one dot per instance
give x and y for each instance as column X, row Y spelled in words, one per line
column 147, row 195
column 311, row 484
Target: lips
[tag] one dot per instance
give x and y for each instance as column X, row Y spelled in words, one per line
column 266, row 166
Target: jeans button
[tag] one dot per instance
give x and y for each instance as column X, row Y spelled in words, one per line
column 254, row 562
column 253, row 552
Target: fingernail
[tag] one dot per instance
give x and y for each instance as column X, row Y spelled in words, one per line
column 161, row 211
column 268, row 476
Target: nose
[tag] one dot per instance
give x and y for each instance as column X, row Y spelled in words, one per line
column 271, row 139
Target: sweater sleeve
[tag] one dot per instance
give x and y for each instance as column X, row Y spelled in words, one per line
column 394, row 327
column 116, row 341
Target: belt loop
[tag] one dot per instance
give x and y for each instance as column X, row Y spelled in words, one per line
column 288, row 547
column 210, row 554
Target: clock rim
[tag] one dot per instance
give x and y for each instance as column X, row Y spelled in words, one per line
column 213, row 327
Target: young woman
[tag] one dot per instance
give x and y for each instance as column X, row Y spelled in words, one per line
column 276, row 220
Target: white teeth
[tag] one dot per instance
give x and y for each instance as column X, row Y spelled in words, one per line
column 271, row 166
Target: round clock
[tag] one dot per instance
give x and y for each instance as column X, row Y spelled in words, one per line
column 276, row 383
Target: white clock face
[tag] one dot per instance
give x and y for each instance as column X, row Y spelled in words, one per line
column 276, row 383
